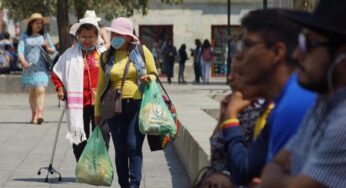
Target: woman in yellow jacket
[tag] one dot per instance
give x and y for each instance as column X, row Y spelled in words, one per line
column 126, row 137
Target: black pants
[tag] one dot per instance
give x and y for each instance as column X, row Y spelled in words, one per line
column 198, row 71
column 88, row 119
column 181, row 72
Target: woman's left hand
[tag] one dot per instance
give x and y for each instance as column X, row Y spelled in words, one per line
column 145, row 79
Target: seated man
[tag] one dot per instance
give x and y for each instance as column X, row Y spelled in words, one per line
column 265, row 62
column 316, row 155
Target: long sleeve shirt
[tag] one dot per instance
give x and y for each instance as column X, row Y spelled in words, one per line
column 291, row 105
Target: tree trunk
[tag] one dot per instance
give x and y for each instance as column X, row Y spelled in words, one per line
column 63, row 25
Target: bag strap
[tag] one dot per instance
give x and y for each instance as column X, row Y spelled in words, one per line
column 127, row 66
column 141, row 51
column 163, row 88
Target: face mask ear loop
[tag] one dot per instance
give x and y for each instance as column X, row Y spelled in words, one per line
column 330, row 71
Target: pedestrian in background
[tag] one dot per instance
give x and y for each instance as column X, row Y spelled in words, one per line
column 35, row 73
column 124, row 127
column 169, row 54
column 76, row 75
column 196, row 53
column 207, row 56
column 182, row 59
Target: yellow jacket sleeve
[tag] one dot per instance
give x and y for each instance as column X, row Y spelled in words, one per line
column 100, row 88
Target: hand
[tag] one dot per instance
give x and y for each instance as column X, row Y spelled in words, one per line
column 235, row 105
column 26, row 65
column 145, row 79
column 223, row 107
column 61, row 95
column 45, row 45
column 98, row 120
column 254, row 182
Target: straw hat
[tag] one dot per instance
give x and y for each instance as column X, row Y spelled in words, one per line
column 90, row 14
column 36, row 16
column 123, row 26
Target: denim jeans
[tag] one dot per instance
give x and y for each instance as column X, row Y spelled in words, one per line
column 128, row 143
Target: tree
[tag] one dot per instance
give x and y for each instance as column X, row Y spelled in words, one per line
column 20, row 9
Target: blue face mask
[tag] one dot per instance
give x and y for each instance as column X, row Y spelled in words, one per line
column 87, row 49
column 118, row 42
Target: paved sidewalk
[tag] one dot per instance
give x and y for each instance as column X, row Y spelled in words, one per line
column 25, row 148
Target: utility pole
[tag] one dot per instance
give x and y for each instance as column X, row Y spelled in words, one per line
column 228, row 39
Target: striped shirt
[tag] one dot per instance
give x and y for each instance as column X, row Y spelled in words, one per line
column 319, row 148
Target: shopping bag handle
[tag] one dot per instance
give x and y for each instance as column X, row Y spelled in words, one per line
column 163, row 88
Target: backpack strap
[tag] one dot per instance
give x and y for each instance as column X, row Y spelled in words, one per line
column 141, row 51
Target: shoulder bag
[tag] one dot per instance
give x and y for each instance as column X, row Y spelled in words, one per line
column 111, row 103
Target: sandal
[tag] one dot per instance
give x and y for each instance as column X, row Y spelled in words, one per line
column 40, row 120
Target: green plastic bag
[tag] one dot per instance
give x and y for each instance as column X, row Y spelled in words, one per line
column 94, row 166
column 154, row 116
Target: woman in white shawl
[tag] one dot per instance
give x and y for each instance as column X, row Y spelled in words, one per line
column 75, row 76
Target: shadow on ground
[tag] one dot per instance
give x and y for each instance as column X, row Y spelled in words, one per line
column 51, row 180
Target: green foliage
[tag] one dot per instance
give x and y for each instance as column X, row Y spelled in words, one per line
column 20, row 9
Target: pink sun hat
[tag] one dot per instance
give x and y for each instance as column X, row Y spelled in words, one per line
column 123, row 26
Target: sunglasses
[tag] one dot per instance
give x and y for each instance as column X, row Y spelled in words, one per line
column 305, row 45
column 245, row 44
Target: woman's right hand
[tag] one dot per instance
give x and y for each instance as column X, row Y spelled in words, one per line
column 236, row 105
column 98, row 120
column 26, row 65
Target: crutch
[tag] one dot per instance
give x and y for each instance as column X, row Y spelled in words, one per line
column 50, row 169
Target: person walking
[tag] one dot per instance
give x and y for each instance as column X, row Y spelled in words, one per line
column 76, row 75
column 206, row 59
column 182, row 60
column 103, row 38
column 169, row 54
column 196, row 53
column 124, row 127
column 35, row 73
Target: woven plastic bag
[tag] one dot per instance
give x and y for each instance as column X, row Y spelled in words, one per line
column 154, row 116
column 94, row 166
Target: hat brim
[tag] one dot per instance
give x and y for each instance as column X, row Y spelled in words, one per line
column 86, row 19
column 74, row 28
column 45, row 20
column 315, row 23
column 111, row 29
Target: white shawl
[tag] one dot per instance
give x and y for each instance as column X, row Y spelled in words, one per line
column 70, row 69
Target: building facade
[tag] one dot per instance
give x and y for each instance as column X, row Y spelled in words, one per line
column 193, row 19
